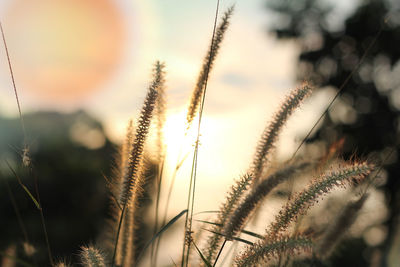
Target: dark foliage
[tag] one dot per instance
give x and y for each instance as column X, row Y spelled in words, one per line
column 72, row 189
column 329, row 56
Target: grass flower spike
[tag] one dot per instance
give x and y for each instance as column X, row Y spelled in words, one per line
column 92, row 257
column 136, row 151
column 267, row 251
column 271, row 132
column 207, row 66
column 160, row 110
column 132, row 173
column 305, row 199
column 239, row 216
column 234, row 195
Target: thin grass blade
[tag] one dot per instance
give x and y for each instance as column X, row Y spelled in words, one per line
column 162, row 230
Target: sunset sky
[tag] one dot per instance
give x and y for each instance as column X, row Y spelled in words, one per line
column 97, row 55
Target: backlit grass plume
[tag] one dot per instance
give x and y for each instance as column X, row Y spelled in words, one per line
column 116, row 190
column 265, row 145
column 160, row 110
column 267, row 250
column 126, row 147
column 306, row 198
column 271, row 132
column 62, row 264
column 132, row 173
column 233, row 197
column 242, row 212
column 207, row 66
column 92, row 257
column 136, row 151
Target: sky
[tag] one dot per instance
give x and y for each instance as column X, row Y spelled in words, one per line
column 98, row 55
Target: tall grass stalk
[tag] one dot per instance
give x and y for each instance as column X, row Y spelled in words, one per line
column 133, row 176
column 237, row 219
column 25, row 152
column 13, row 82
column 271, row 132
column 161, row 116
column 200, row 92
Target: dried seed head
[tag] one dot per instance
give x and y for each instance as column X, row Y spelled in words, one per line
column 92, row 257
column 239, row 216
column 62, row 264
column 267, row 250
column 136, row 150
column 207, row 66
column 305, row 199
column 231, row 202
column 271, row 132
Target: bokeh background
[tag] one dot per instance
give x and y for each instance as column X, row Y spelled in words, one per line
column 82, row 68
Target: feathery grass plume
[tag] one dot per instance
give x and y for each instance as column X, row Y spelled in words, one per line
column 130, row 221
column 115, row 187
column 160, row 110
column 302, row 201
column 233, row 197
column 92, row 257
column 121, row 168
column 136, row 151
column 160, row 115
column 207, row 66
column 62, row 264
column 267, row 250
column 125, row 149
column 336, row 231
column 133, row 173
column 271, row 132
column 241, row 213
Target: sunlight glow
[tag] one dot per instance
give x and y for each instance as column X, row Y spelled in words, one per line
column 178, row 144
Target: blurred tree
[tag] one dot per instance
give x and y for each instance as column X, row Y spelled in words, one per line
column 70, row 153
column 334, row 38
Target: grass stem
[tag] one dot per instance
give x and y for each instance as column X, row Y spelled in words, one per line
column 219, row 253
column 191, row 195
